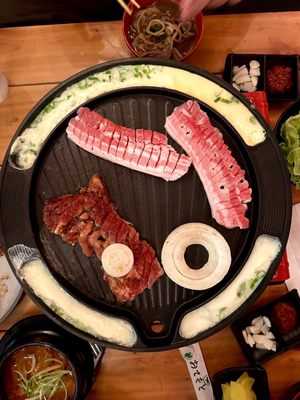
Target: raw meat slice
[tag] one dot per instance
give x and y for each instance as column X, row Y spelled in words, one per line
column 139, row 147
column 91, row 118
column 142, row 150
column 116, row 137
column 122, row 147
column 223, row 179
column 145, row 155
column 90, row 219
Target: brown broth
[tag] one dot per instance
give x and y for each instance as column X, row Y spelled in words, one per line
column 170, row 7
column 22, row 362
column 173, row 8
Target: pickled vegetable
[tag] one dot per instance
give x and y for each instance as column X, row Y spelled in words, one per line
column 240, row 389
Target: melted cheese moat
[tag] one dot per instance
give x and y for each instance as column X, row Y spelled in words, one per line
column 265, row 250
column 102, row 326
column 27, row 146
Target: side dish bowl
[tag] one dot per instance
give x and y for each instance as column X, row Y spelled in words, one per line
column 167, row 4
column 284, row 323
column 35, row 335
column 259, row 374
column 291, row 110
column 287, row 134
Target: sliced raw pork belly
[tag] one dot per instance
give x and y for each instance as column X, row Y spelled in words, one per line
column 139, row 149
column 223, row 179
column 90, row 219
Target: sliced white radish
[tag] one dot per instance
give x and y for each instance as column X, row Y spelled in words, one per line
column 259, row 339
column 173, row 261
column 259, row 334
column 255, row 320
column 251, row 341
column 248, row 87
column 259, row 322
column 243, row 79
column 240, row 73
column 254, row 329
column 236, row 68
column 268, row 343
column 254, row 64
column 269, row 335
column 260, row 346
column 267, row 321
column 265, row 329
column 246, row 80
column 254, row 80
column 274, row 346
column 254, row 72
column 117, row 260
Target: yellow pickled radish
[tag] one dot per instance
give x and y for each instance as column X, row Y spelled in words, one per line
column 247, row 383
column 240, row 389
column 237, row 391
column 253, row 396
column 242, row 377
column 226, row 391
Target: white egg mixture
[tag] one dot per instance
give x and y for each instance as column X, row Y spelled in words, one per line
column 29, row 143
column 98, row 324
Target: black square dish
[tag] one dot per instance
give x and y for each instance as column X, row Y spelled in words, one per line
column 253, row 354
column 290, row 337
column 244, row 59
column 285, row 338
column 260, row 386
column 285, row 80
column 278, row 73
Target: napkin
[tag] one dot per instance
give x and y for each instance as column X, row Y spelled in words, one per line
column 293, row 250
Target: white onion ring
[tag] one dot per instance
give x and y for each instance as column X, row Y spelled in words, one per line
column 175, row 245
column 33, row 363
column 117, row 260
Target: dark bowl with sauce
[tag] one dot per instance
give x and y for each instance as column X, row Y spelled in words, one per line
column 39, row 333
column 185, row 49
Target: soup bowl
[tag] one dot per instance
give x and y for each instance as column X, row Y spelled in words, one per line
column 173, row 6
column 40, row 334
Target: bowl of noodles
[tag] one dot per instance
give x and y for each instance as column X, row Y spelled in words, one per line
column 155, row 30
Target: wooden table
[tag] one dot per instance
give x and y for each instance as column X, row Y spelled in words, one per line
column 35, row 59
